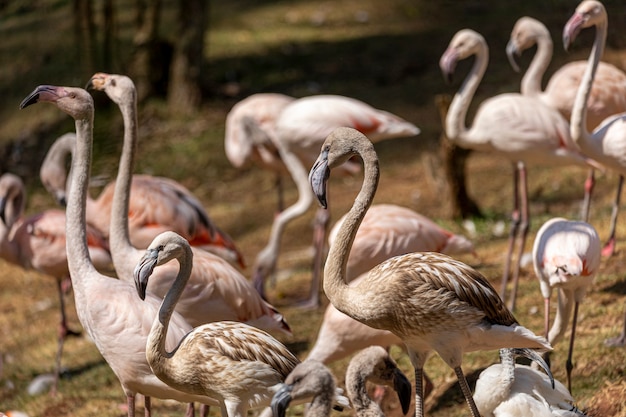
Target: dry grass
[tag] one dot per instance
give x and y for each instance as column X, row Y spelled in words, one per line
column 301, row 48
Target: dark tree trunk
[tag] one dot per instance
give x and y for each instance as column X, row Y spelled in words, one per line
column 108, row 42
column 184, row 91
column 454, row 161
column 84, row 32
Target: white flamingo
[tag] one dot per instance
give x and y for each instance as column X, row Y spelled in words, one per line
column 607, row 96
column 429, row 300
column 217, row 290
column 299, row 131
column 566, row 256
column 118, row 324
column 607, row 143
column 520, row 128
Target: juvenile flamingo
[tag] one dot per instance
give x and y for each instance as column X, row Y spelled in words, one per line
column 607, row 96
column 118, row 324
column 607, row 143
column 217, row 290
column 249, row 131
column 38, row 242
column 519, row 128
column 299, row 132
column 429, row 300
column 566, row 256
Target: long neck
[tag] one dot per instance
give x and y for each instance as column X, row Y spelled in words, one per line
column 298, row 173
column 124, row 255
column 335, row 285
column 155, row 346
column 531, row 82
column 357, row 392
column 78, row 259
column 320, row 406
column 455, row 122
column 578, row 128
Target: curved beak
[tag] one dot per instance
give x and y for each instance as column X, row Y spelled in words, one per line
column 281, row 400
column 3, row 206
column 318, row 178
column 403, row 388
column 43, row 93
column 512, row 52
column 143, row 270
column 572, row 28
column 97, row 81
column 534, row 356
column 447, row 63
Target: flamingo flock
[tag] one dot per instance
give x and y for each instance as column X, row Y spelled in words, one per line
column 166, row 298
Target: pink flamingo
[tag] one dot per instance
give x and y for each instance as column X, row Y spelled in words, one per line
column 38, row 242
column 520, row 128
column 299, row 131
column 108, row 309
column 607, row 96
column 248, row 135
column 566, row 256
column 157, row 204
column 217, row 291
column 607, row 143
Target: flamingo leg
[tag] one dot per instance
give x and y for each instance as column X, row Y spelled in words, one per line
column 619, row 341
column 322, row 220
column 191, row 411
column 609, row 248
column 467, row 392
column 523, row 230
column 515, row 221
column 569, row 365
column 63, row 332
column 546, row 317
column 204, row 410
column 419, row 393
column 130, row 401
column 147, row 409
column 590, row 182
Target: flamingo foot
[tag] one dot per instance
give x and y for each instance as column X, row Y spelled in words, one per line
column 619, row 341
column 609, row 248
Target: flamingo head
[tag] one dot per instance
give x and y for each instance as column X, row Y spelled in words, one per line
column 72, row 100
column 464, row 44
column 119, row 88
column 588, row 13
column 524, row 35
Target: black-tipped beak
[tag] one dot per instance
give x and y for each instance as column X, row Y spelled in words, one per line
column 403, row 388
column 41, row 93
column 96, row 82
column 281, row 400
column 3, row 206
column 512, row 53
column 447, row 63
column 534, row 356
column 318, row 178
column 143, row 270
column 572, row 29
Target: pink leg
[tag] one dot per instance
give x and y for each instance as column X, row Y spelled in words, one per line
column 590, row 182
column 191, row 411
column 147, row 410
column 130, row 401
column 523, row 231
column 515, row 221
column 609, row 248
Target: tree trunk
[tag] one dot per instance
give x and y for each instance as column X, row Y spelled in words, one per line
column 184, row 91
column 454, row 161
column 84, row 33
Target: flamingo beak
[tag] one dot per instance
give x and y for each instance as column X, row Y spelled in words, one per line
column 318, row 178
column 572, row 28
column 512, row 52
column 43, row 93
column 447, row 63
column 281, row 400
column 97, row 81
column 403, row 388
column 143, row 270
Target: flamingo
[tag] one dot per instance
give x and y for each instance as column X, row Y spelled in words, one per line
column 38, row 242
column 509, row 390
column 427, row 299
column 156, row 204
column 520, row 128
column 299, row 131
column 607, row 96
column 246, row 137
column 118, row 324
column 217, row 290
column 239, row 365
column 387, row 230
column 566, row 255
column 607, row 143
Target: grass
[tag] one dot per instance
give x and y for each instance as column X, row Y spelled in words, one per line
column 383, row 53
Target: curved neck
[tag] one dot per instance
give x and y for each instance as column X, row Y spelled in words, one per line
column 78, row 259
column 357, row 393
column 455, row 122
column 123, row 253
column 299, row 174
column 578, row 128
column 531, row 82
column 155, row 345
column 335, row 285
